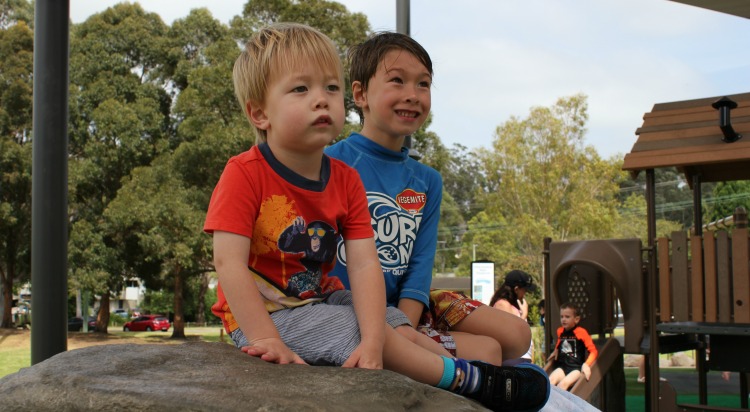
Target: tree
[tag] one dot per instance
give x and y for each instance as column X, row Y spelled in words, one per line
column 451, row 228
column 210, row 126
column 725, row 198
column 119, row 120
column 543, row 181
column 464, row 179
column 16, row 67
column 674, row 199
column 15, row 11
column 346, row 29
column 155, row 213
column 633, row 221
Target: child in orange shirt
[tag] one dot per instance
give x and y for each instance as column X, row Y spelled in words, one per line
column 570, row 357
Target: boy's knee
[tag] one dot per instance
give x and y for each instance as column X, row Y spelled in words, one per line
column 489, row 350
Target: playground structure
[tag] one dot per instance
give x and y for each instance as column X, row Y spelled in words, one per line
column 682, row 292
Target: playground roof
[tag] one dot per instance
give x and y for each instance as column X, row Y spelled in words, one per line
column 686, row 135
column 739, row 8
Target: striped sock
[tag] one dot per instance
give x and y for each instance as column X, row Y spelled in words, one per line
column 468, row 378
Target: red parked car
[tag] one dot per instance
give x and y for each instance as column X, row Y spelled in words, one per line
column 147, row 323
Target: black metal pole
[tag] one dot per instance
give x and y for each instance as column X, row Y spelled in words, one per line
column 49, row 209
column 403, row 19
column 652, row 360
column 547, row 295
column 403, row 26
column 701, row 352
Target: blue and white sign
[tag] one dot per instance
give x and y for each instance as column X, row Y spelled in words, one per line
column 482, row 280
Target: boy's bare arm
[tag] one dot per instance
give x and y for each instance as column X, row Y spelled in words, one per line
column 230, row 259
column 412, row 309
column 368, row 292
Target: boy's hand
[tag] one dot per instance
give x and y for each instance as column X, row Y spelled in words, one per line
column 272, row 350
column 552, row 356
column 586, row 370
column 365, row 356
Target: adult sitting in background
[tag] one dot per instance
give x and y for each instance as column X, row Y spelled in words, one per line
column 509, row 297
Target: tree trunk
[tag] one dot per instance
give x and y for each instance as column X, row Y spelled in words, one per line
column 102, row 316
column 7, row 301
column 200, row 318
column 178, row 331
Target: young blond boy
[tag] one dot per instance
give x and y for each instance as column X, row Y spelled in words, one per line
column 573, row 342
column 275, row 214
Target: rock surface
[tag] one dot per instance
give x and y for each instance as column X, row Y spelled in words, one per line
column 200, row 376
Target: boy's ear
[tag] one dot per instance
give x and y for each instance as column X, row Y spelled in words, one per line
column 257, row 115
column 359, row 94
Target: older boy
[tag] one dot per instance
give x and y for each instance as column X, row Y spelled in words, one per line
column 274, row 213
column 391, row 78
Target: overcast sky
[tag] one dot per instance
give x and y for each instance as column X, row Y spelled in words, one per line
column 496, row 59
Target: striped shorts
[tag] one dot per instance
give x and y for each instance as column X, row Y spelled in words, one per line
column 323, row 333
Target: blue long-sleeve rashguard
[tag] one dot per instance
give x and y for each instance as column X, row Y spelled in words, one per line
column 404, row 198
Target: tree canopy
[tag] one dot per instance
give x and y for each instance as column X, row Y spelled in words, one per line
column 16, row 68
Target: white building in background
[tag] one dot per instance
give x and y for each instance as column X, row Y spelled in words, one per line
column 20, row 311
column 129, row 298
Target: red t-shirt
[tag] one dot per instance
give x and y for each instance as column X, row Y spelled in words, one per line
column 293, row 223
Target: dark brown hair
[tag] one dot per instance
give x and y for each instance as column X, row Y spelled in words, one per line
column 365, row 57
column 506, row 292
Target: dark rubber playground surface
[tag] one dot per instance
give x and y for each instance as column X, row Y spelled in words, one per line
column 686, row 381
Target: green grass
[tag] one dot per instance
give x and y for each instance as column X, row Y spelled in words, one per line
column 12, row 360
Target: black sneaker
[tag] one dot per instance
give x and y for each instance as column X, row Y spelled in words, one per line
column 521, row 388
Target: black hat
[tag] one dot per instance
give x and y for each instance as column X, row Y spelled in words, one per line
column 519, row 278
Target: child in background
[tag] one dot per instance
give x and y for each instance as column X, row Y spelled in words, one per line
column 275, row 214
column 391, row 78
column 570, row 357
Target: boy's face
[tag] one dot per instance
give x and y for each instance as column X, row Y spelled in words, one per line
column 568, row 319
column 303, row 111
column 397, row 100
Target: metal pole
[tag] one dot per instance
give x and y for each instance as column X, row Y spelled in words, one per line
column 652, row 360
column 403, row 20
column 697, row 209
column 49, row 209
column 403, row 26
column 701, row 352
column 547, row 295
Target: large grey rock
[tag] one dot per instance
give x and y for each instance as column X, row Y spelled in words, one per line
column 200, row 376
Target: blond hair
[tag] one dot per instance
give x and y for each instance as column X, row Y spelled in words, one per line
column 280, row 48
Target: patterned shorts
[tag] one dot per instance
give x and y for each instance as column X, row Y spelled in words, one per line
column 447, row 308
